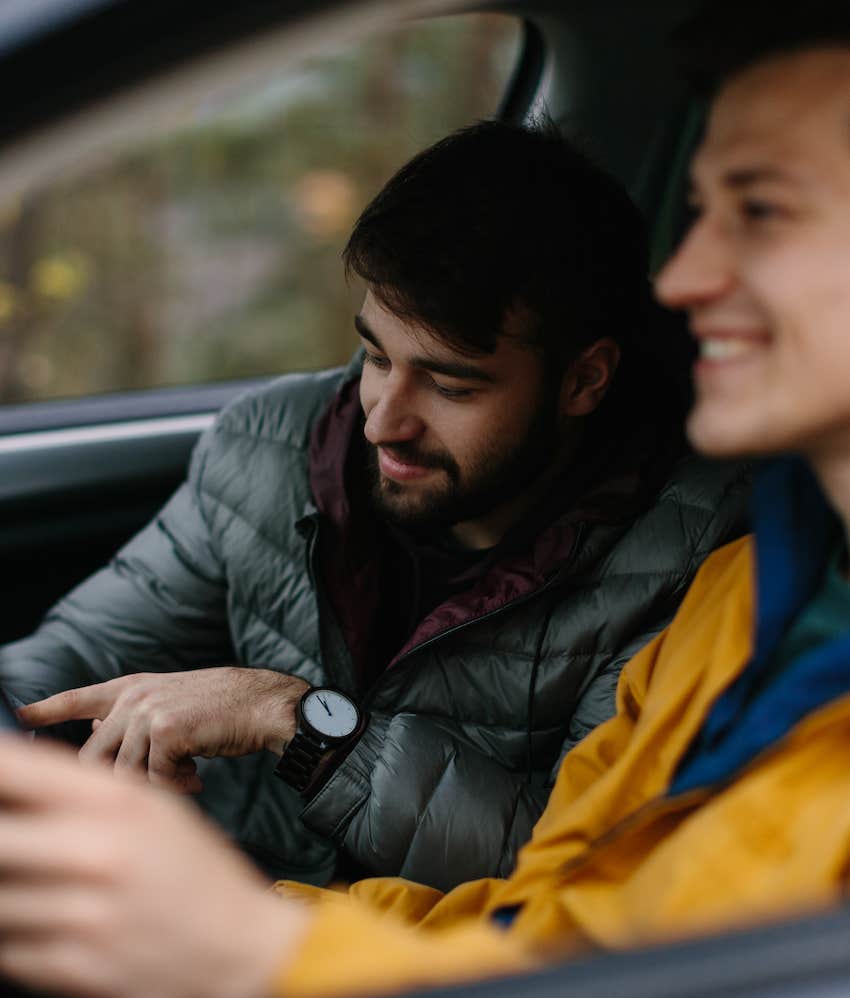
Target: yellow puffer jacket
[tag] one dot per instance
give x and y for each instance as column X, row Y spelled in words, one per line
column 613, row 862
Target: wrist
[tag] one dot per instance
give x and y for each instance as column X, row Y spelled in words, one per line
column 278, row 710
column 333, row 760
column 328, row 724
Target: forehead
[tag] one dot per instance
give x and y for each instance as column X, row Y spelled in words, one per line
column 401, row 334
column 513, row 359
column 789, row 112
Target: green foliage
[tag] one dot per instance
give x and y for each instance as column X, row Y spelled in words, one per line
column 214, row 253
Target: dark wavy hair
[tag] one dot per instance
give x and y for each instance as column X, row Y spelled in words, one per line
column 726, row 37
column 497, row 216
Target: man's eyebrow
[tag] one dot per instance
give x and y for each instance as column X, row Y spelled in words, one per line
column 449, row 368
column 748, row 175
column 367, row 334
column 739, row 177
column 452, row 369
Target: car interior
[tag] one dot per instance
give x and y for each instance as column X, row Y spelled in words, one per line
column 159, row 162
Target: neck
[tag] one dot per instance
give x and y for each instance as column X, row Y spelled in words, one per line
column 486, row 531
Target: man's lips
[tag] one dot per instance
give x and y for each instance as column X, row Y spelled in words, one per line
column 722, row 347
column 400, row 471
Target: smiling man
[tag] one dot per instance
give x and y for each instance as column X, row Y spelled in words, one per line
column 466, row 533
column 485, row 465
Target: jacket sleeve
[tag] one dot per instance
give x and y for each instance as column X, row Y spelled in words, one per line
column 456, row 813
column 158, row 606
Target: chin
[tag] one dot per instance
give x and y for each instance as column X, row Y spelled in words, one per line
column 725, row 437
column 404, row 510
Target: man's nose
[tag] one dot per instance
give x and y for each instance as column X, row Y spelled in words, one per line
column 699, row 272
column 393, row 417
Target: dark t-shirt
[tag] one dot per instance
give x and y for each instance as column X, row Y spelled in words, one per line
column 419, row 571
column 422, row 569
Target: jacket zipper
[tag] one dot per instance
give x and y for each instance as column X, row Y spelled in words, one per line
column 323, row 608
column 370, row 694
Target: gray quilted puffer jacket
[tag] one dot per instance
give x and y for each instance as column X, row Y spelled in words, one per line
column 467, row 727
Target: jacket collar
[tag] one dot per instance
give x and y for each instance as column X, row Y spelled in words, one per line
column 796, row 529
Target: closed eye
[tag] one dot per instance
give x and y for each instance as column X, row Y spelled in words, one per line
column 757, row 209
column 452, row 393
column 376, row 360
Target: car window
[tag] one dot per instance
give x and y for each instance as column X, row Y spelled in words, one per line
column 213, row 252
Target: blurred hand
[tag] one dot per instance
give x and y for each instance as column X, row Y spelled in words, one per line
column 113, row 888
column 156, row 722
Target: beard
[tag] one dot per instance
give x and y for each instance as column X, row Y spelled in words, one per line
column 495, row 476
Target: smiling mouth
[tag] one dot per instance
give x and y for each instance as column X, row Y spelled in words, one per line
column 727, row 348
column 398, row 470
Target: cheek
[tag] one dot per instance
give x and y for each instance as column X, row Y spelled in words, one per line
column 456, row 429
column 476, row 437
column 796, row 388
column 805, row 295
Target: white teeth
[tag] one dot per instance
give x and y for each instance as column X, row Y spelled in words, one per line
column 724, row 349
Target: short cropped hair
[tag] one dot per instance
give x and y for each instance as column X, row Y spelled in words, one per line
column 726, row 37
column 498, row 217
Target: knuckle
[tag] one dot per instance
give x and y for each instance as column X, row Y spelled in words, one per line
column 164, row 725
column 69, row 699
column 135, row 686
column 131, row 697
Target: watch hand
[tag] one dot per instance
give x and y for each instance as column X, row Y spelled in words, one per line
column 322, row 702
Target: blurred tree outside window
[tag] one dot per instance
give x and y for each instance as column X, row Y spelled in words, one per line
column 214, row 253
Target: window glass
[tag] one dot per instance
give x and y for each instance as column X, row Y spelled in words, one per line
column 214, row 252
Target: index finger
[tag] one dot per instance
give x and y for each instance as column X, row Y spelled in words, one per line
column 81, row 704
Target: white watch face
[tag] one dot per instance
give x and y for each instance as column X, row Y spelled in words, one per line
column 330, row 713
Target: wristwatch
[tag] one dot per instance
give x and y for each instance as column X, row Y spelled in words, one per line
column 329, row 722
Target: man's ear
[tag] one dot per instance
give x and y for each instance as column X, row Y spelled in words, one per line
column 588, row 377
